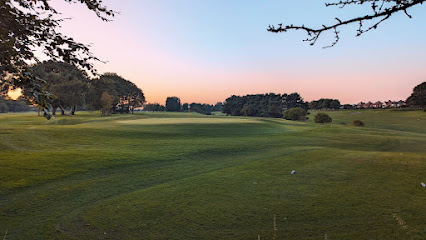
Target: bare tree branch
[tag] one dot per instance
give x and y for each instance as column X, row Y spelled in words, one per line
column 382, row 11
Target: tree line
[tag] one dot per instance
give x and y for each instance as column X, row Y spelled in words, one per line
column 173, row 104
column 293, row 107
column 262, row 105
column 70, row 88
column 325, row 103
column 10, row 105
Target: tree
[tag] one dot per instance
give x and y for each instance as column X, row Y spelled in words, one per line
column 10, row 105
column 185, row 107
column 173, row 104
column 233, row 105
column 418, row 97
column 262, row 105
column 325, row 103
column 30, row 24
column 97, row 87
column 106, row 101
column 322, row 118
column 126, row 95
column 381, row 10
column 218, row 107
column 17, row 105
column 205, row 109
column 294, row 100
column 154, row 107
column 335, row 104
column 296, row 113
column 3, row 106
column 65, row 82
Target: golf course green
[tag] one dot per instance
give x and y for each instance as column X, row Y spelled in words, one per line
column 191, row 176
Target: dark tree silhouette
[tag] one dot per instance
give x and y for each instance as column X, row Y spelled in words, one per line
column 325, row 103
column 418, row 97
column 382, row 10
column 154, row 107
column 173, row 104
column 29, row 24
column 204, row 108
column 262, row 105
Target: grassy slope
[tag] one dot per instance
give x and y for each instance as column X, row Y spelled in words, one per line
column 167, row 176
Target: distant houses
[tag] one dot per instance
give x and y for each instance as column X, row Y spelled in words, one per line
column 378, row 104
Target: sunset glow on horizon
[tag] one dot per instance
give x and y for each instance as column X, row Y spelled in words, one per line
column 206, row 51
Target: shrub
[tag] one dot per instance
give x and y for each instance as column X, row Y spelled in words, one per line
column 358, row 123
column 322, row 118
column 296, row 113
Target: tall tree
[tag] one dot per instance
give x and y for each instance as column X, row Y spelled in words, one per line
column 233, row 105
column 29, row 24
column 65, row 82
column 126, row 95
column 97, row 87
column 106, row 101
column 381, row 10
column 293, row 100
column 173, row 104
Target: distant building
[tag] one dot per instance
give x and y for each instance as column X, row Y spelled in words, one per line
column 360, row 105
column 377, row 104
column 368, row 105
column 388, row 104
column 400, row 103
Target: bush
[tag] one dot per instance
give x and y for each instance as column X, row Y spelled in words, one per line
column 358, row 123
column 322, row 118
column 296, row 113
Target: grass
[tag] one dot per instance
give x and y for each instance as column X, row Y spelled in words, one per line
column 180, row 176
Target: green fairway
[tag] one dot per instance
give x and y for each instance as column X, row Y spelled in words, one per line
column 190, row 176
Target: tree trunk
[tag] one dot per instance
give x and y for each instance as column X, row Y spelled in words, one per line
column 73, row 110
column 54, row 110
column 39, row 110
column 128, row 105
column 105, row 112
column 62, row 110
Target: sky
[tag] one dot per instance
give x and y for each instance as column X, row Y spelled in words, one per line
column 206, row 51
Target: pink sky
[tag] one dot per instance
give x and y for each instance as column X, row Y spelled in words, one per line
column 206, row 52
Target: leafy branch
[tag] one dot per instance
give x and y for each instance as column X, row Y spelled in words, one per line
column 26, row 25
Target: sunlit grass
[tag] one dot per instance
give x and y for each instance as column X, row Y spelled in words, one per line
column 189, row 176
column 188, row 120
